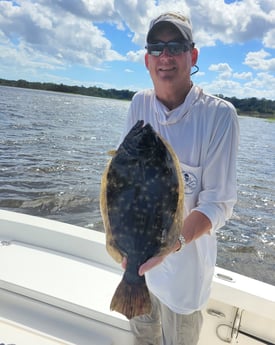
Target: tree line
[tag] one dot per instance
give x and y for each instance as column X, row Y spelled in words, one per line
column 253, row 106
column 80, row 90
column 248, row 106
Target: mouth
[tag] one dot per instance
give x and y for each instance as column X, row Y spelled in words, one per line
column 167, row 69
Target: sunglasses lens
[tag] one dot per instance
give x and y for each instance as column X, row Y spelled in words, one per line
column 174, row 48
column 155, row 49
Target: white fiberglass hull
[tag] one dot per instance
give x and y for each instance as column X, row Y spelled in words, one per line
column 57, row 281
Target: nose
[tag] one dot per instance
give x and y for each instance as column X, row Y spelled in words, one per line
column 166, row 52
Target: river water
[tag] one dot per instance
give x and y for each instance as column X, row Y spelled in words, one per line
column 53, row 150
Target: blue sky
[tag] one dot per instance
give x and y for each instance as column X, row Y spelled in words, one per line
column 101, row 43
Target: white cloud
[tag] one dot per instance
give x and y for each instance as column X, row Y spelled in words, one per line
column 262, row 86
column 224, row 70
column 243, row 75
column 136, row 56
column 39, row 36
column 71, row 26
column 269, row 39
column 225, row 87
column 260, row 60
column 200, row 73
column 235, row 22
column 262, row 81
column 55, row 32
column 221, row 67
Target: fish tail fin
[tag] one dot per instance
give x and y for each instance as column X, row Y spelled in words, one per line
column 131, row 299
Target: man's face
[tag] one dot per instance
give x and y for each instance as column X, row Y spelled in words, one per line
column 167, row 68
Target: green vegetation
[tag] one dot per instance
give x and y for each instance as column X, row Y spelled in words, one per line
column 248, row 106
column 253, row 106
column 80, row 90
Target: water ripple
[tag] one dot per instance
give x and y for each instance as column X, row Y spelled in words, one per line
column 53, row 150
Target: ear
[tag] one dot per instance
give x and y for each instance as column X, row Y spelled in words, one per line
column 146, row 58
column 194, row 56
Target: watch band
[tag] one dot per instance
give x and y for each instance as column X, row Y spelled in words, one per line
column 182, row 242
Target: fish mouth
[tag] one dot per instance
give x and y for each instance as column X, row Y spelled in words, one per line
column 143, row 140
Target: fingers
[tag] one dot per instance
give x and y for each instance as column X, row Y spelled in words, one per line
column 149, row 264
column 124, row 263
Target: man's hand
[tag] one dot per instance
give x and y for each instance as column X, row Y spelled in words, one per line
column 152, row 262
column 195, row 225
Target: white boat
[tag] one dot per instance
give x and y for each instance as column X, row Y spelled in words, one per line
column 57, row 281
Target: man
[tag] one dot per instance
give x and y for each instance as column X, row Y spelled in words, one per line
column 203, row 130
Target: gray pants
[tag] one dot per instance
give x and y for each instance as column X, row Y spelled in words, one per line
column 164, row 327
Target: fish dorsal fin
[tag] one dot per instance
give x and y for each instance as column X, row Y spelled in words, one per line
column 112, row 153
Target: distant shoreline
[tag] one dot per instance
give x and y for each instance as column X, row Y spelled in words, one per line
column 253, row 107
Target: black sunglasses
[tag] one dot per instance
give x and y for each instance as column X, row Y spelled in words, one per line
column 174, row 47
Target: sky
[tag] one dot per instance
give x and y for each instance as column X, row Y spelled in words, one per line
column 101, row 43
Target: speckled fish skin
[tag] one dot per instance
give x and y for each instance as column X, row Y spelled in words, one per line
column 142, row 210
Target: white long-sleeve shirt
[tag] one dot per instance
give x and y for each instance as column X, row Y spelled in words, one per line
column 204, row 133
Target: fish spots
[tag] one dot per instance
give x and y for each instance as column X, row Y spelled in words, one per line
column 142, row 208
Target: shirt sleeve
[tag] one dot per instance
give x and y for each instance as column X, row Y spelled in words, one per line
column 219, row 183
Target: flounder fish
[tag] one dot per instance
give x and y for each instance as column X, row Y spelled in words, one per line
column 141, row 204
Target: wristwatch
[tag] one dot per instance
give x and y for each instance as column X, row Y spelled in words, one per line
column 182, row 242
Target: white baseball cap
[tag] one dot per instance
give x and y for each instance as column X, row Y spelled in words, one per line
column 181, row 22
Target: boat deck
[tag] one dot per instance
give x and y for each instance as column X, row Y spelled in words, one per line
column 75, row 285
column 57, row 281
column 56, row 293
